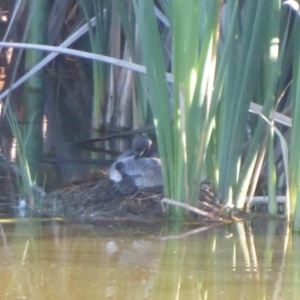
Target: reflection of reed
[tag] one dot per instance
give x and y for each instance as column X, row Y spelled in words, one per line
column 94, row 262
column 242, row 239
column 282, row 267
column 249, row 274
column 252, row 250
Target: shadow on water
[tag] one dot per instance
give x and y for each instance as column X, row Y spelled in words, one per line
column 56, row 260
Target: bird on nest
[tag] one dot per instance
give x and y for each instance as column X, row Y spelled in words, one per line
column 137, row 168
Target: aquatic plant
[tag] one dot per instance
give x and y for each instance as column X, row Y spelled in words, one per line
column 207, row 63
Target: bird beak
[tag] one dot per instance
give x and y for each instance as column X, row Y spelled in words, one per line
column 139, row 154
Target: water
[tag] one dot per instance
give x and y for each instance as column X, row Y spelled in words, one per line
column 56, row 260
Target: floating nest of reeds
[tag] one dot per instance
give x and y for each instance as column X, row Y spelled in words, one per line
column 97, row 199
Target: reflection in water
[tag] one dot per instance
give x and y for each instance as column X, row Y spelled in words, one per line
column 63, row 261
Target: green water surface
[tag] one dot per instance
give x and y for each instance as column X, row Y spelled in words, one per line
column 56, row 260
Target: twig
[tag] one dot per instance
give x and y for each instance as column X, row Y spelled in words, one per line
column 193, row 209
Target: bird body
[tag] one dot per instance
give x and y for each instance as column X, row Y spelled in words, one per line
column 127, row 184
column 145, row 171
column 137, row 168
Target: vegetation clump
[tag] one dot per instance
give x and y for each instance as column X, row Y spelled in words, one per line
column 218, row 82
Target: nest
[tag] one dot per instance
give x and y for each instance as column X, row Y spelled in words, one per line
column 97, row 199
